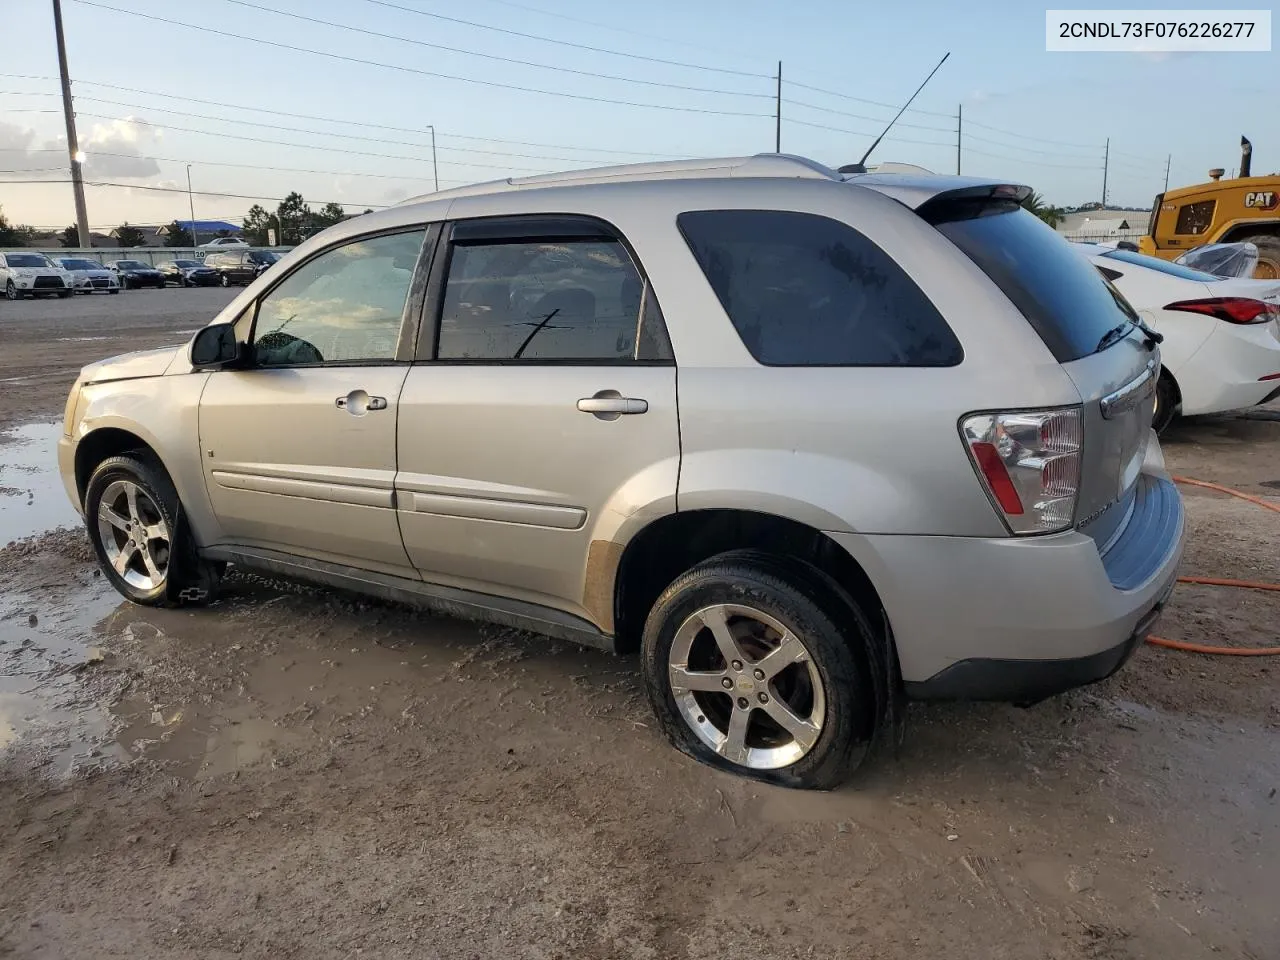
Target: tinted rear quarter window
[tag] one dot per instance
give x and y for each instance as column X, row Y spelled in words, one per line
column 1061, row 295
column 806, row 290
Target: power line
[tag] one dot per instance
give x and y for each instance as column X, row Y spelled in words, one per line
column 225, row 196
column 321, row 133
column 425, row 73
column 862, row 133
column 360, row 123
column 1010, row 133
column 1015, row 146
column 859, row 116
column 492, row 56
column 874, row 103
column 569, row 43
column 1034, row 163
column 310, row 146
column 224, row 163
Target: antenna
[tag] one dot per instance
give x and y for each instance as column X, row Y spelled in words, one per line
column 860, row 166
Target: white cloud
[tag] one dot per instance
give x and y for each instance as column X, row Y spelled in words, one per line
column 116, row 149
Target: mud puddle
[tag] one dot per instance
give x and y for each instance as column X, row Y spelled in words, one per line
column 32, row 499
column 54, row 696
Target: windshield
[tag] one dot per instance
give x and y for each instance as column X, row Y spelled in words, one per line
column 28, row 260
column 72, row 264
column 1056, row 289
column 187, row 263
column 132, row 265
column 1162, row 266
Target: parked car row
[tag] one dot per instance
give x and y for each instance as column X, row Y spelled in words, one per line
column 34, row 274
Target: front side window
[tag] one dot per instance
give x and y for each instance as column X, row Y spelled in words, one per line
column 576, row 299
column 344, row 306
column 805, row 290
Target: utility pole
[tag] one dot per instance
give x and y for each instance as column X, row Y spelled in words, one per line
column 1106, row 162
column 777, row 115
column 191, row 205
column 73, row 145
column 435, row 170
column 1167, row 164
column 959, row 127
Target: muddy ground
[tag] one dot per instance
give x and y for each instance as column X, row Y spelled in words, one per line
column 297, row 773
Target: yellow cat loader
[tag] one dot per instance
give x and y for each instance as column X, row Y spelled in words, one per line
column 1220, row 211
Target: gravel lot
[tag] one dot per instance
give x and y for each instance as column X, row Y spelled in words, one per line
column 298, row 773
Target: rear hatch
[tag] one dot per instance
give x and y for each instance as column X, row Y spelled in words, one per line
column 1086, row 324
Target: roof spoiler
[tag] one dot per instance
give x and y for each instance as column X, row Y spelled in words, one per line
column 965, row 202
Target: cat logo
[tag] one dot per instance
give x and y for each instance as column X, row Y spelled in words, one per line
column 1262, row 200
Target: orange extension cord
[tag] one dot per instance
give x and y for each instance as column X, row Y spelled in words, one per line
column 1220, row 582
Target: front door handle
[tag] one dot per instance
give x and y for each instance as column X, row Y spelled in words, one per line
column 610, row 405
column 358, row 403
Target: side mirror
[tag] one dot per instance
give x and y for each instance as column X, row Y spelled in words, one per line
column 216, row 346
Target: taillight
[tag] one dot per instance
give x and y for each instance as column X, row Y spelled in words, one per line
column 1243, row 310
column 1029, row 462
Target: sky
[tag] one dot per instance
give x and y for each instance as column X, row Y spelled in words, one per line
column 603, row 83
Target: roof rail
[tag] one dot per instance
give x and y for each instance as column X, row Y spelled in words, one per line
column 760, row 165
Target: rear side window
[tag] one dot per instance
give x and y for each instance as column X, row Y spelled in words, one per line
column 1062, row 296
column 574, row 299
column 805, row 290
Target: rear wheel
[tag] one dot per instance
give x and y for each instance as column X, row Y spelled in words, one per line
column 749, row 663
column 1167, row 400
column 224, row 280
column 140, row 537
column 1268, row 245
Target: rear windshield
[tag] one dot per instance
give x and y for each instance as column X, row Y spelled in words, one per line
column 1163, row 266
column 1059, row 292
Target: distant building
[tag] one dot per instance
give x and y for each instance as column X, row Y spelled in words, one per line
column 1104, row 223
column 205, row 230
column 151, row 236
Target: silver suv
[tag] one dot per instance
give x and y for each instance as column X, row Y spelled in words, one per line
column 810, row 443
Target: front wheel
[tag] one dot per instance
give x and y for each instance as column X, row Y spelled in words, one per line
column 114, row 291
column 63, row 294
column 749, row 663
column 12, row 292
column 141, row 540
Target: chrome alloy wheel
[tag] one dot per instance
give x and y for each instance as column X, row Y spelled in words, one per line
column 134, row 535
column 746, row 686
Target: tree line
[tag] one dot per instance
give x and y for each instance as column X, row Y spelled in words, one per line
column 293, row 221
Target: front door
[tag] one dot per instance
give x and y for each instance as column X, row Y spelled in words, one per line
column 544, row 418
column 299, row 449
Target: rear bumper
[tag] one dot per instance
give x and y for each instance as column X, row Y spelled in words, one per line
column 1021, row 618
column 1224, row 374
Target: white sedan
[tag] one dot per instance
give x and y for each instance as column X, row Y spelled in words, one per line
column 1221, row 347
column 89, row 275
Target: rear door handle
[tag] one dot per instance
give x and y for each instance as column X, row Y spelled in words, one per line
column 609, row 405
column 358, row 403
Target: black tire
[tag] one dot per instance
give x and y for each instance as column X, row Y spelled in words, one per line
column 114, row 292
column 12, row 292
column 837, row 635
column 63, row 294
column 188, row 579
column 1268, row 245
column 1168, row 399
column 224, row 280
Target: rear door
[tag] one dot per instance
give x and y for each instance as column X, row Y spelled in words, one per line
column 545, row 410
column 1088, row 327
